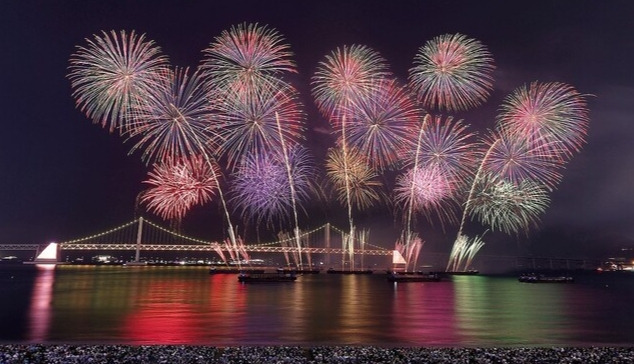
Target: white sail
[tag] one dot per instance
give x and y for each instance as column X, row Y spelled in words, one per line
column 49, row 253
column 397, row 258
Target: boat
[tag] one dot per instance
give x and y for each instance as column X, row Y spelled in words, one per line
column 359, row 271
column 470, row 272
column 230, row 270
column 413, row 277
column 540, row 278
column 10, row 260
column 300, row 271
column 266, row 277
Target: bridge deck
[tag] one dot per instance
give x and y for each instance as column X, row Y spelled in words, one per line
column 213, row 247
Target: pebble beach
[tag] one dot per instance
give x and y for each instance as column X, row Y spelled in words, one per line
column 94, row 354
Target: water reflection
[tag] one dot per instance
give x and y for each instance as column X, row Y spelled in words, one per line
column 40, row 307
column 180, row 305
column 508, row 312
column 423, row 313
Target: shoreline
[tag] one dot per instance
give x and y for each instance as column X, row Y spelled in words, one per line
column 71, row 353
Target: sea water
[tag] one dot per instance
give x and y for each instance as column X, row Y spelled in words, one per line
column 187, row 305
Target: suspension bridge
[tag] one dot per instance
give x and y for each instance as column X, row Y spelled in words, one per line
column 142, row 235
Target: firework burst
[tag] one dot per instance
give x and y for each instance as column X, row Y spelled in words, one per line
column 509, row 207
column 173, row 120
column 426, row 190
column 380, row 125
column 247, row 56
column 517, row 159
column 448, row 145
column 452, row 72
column 347, row 73
column 248, row 122
column 364, row 189
column 261, row 189
column 112, row 73
column 177, row 186
column 553, row 112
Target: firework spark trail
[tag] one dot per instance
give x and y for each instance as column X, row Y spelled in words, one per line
column 467, row 205
column 350, row 237
column 409, row 246
column 171, row 123
column 463, row 251
column 245, row 64
column 292, row 187
column 111, row 74
column 539, row 129
column 442, row 161
column 452, row 72
column 410, row 203
column 347, row 73
column 218, row 250
column 483, row 175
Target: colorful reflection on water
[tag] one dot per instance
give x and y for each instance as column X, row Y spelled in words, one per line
column 186, row 305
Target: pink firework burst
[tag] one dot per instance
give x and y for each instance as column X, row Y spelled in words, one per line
column 452, row 72
column 551, row 113
column 112, row 74
column 177, row 186
column 426, row 190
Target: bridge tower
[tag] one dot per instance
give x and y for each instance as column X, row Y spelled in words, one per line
column 139, row 241
column 327, row 243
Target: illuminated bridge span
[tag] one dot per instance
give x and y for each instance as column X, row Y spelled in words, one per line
column 146, row 235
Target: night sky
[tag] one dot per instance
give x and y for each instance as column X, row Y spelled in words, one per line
column 64, row 177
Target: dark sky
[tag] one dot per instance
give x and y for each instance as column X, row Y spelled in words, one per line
column 63, row 177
